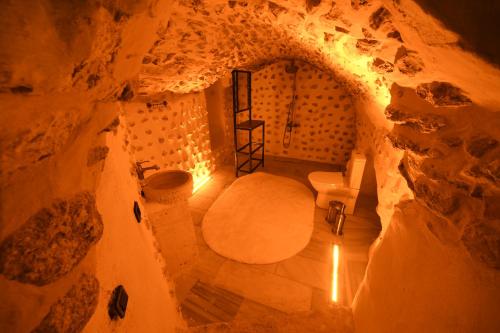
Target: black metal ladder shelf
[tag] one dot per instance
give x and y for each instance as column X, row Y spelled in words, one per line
column 247, row 150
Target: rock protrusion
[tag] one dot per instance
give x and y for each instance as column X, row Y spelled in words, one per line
column 311, row 4
column 72, row 312
column 436, row 196
column 365, row 45
column 127, row 93
column 382, row 66
column 480, row 145
column 379, row 17
column 276, row 9
column 405, row 143
column 52, row 242
column 408, row 62
column 422, row 122
column 442, row 94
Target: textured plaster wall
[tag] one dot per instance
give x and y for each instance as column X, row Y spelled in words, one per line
column 323, row 111
column 128, row 253
column 175, row 136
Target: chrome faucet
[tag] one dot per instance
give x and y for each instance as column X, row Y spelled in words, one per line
column 140, row 170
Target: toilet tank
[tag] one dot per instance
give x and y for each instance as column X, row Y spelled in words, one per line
column 355, row 169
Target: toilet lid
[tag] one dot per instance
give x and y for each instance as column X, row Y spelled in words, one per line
column 327, row 177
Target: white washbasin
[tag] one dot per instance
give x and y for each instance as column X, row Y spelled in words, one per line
column 168, row 186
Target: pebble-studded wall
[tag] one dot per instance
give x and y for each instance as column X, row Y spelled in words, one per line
column 172, row 136
column 323, row 113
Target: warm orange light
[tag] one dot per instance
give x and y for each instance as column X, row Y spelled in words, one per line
column 335, row 273
column 199, row 182
column 360, row 65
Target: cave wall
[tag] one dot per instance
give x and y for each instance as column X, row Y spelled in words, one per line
column 174, row 135
column 323, row 110
column 63, row 63
column 415, row 282
column 64, row 66
column 438, row 254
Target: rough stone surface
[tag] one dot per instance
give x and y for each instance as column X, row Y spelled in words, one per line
column 480, row 145
column 404, row 172
column 72, row 312
column 408, row 62
column 382, row 66
column 94, row 47
column 452, row 141
column 436, row 196
column 442, row 94
column 52, row 241
column 401, row 142
column 97, row 154
column 323, row 111
column 492, row 207
column 380, row 16
column 489, row 172
column 422, row 122
column 41, row 140
column 127, row 93
column 482, row 240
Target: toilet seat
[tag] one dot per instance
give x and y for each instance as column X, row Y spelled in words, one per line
column 334, row 178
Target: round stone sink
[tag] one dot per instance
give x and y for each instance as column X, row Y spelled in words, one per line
column 168, row 186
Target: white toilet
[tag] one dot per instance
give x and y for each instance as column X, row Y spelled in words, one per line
column 336, row 186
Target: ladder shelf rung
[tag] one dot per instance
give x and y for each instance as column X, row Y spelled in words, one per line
column 257, row 145
column 250, row 124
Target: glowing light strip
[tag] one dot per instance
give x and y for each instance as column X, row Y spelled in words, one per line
column 335, row 275
column 200, row 182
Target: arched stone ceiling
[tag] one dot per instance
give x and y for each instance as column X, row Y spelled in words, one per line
column 372, row 42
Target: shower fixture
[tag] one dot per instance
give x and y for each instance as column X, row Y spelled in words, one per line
column 290, row 124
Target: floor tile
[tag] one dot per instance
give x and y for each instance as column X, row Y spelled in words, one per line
column 209, row 304
column 300, row 283
column 263, row 287
column 317, row 250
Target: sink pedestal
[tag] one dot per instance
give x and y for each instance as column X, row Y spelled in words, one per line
column 167, row 194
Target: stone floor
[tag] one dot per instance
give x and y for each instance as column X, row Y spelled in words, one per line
column 219, row 289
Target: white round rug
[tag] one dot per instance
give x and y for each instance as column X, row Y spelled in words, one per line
column 260, row 219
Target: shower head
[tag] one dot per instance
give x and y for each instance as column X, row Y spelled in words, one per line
column 291, row 68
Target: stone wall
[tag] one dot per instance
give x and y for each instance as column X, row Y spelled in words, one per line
column 65, row 64
column 63, row 68
column 174, row 135
column 439, row 245
column 323, row 111
column 128, row 253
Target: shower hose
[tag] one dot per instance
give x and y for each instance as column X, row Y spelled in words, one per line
column 287, row 134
